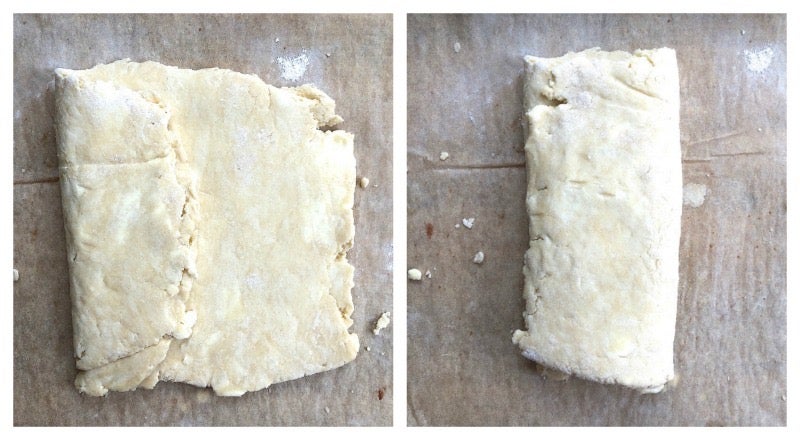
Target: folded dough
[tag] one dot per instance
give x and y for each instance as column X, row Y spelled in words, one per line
column 604, row 204
column 207, row 221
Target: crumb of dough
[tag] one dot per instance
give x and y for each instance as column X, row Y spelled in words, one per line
column 457, row 47
column 16, row 275
column 382, row 323
column 443, row 155
column 457, row 226
column 478, row 258
column 428, row 274
column 367, row 348
column 414, row 274
column 327, row 410
column 277, row 40
column 468, row 222
column 363, row 182
column 327, row 54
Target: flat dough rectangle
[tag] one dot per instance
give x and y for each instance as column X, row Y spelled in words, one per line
column 208, row 218
column 604, row 204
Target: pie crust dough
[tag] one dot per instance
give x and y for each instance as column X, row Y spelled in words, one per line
column 207, row 220
column 604, row 204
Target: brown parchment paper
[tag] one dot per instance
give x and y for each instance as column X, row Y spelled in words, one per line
column 350, row 58
column 465, row 76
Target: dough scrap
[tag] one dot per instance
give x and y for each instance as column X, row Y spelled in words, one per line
column 382, row 322
column 208, row 219
column 604, row 204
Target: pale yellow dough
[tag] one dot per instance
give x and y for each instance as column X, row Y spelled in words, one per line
column 208, row 219
column 604, row 204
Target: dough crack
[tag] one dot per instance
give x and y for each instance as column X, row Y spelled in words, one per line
column 116, row 162
column 129, row 355
column 552, row 101
column 341, row 254
column 638, row 90
column 548, row 94
column 535, row 304
column 113, row 359
column 644, row 55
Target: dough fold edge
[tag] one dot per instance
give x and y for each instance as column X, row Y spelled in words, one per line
column 137, row 365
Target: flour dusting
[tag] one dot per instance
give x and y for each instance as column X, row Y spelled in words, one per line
column 759, row 60
column 254, row 282
column 388, row 254
column 694, row 194
column 293, row 69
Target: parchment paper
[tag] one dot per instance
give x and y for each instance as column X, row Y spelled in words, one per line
column 465, row 97
column 350, row 58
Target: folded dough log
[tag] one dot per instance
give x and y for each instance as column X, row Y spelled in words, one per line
column 207, row 220
column 604, row 204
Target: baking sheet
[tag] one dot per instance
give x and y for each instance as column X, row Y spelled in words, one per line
column 347, row 56
column 465, row 97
